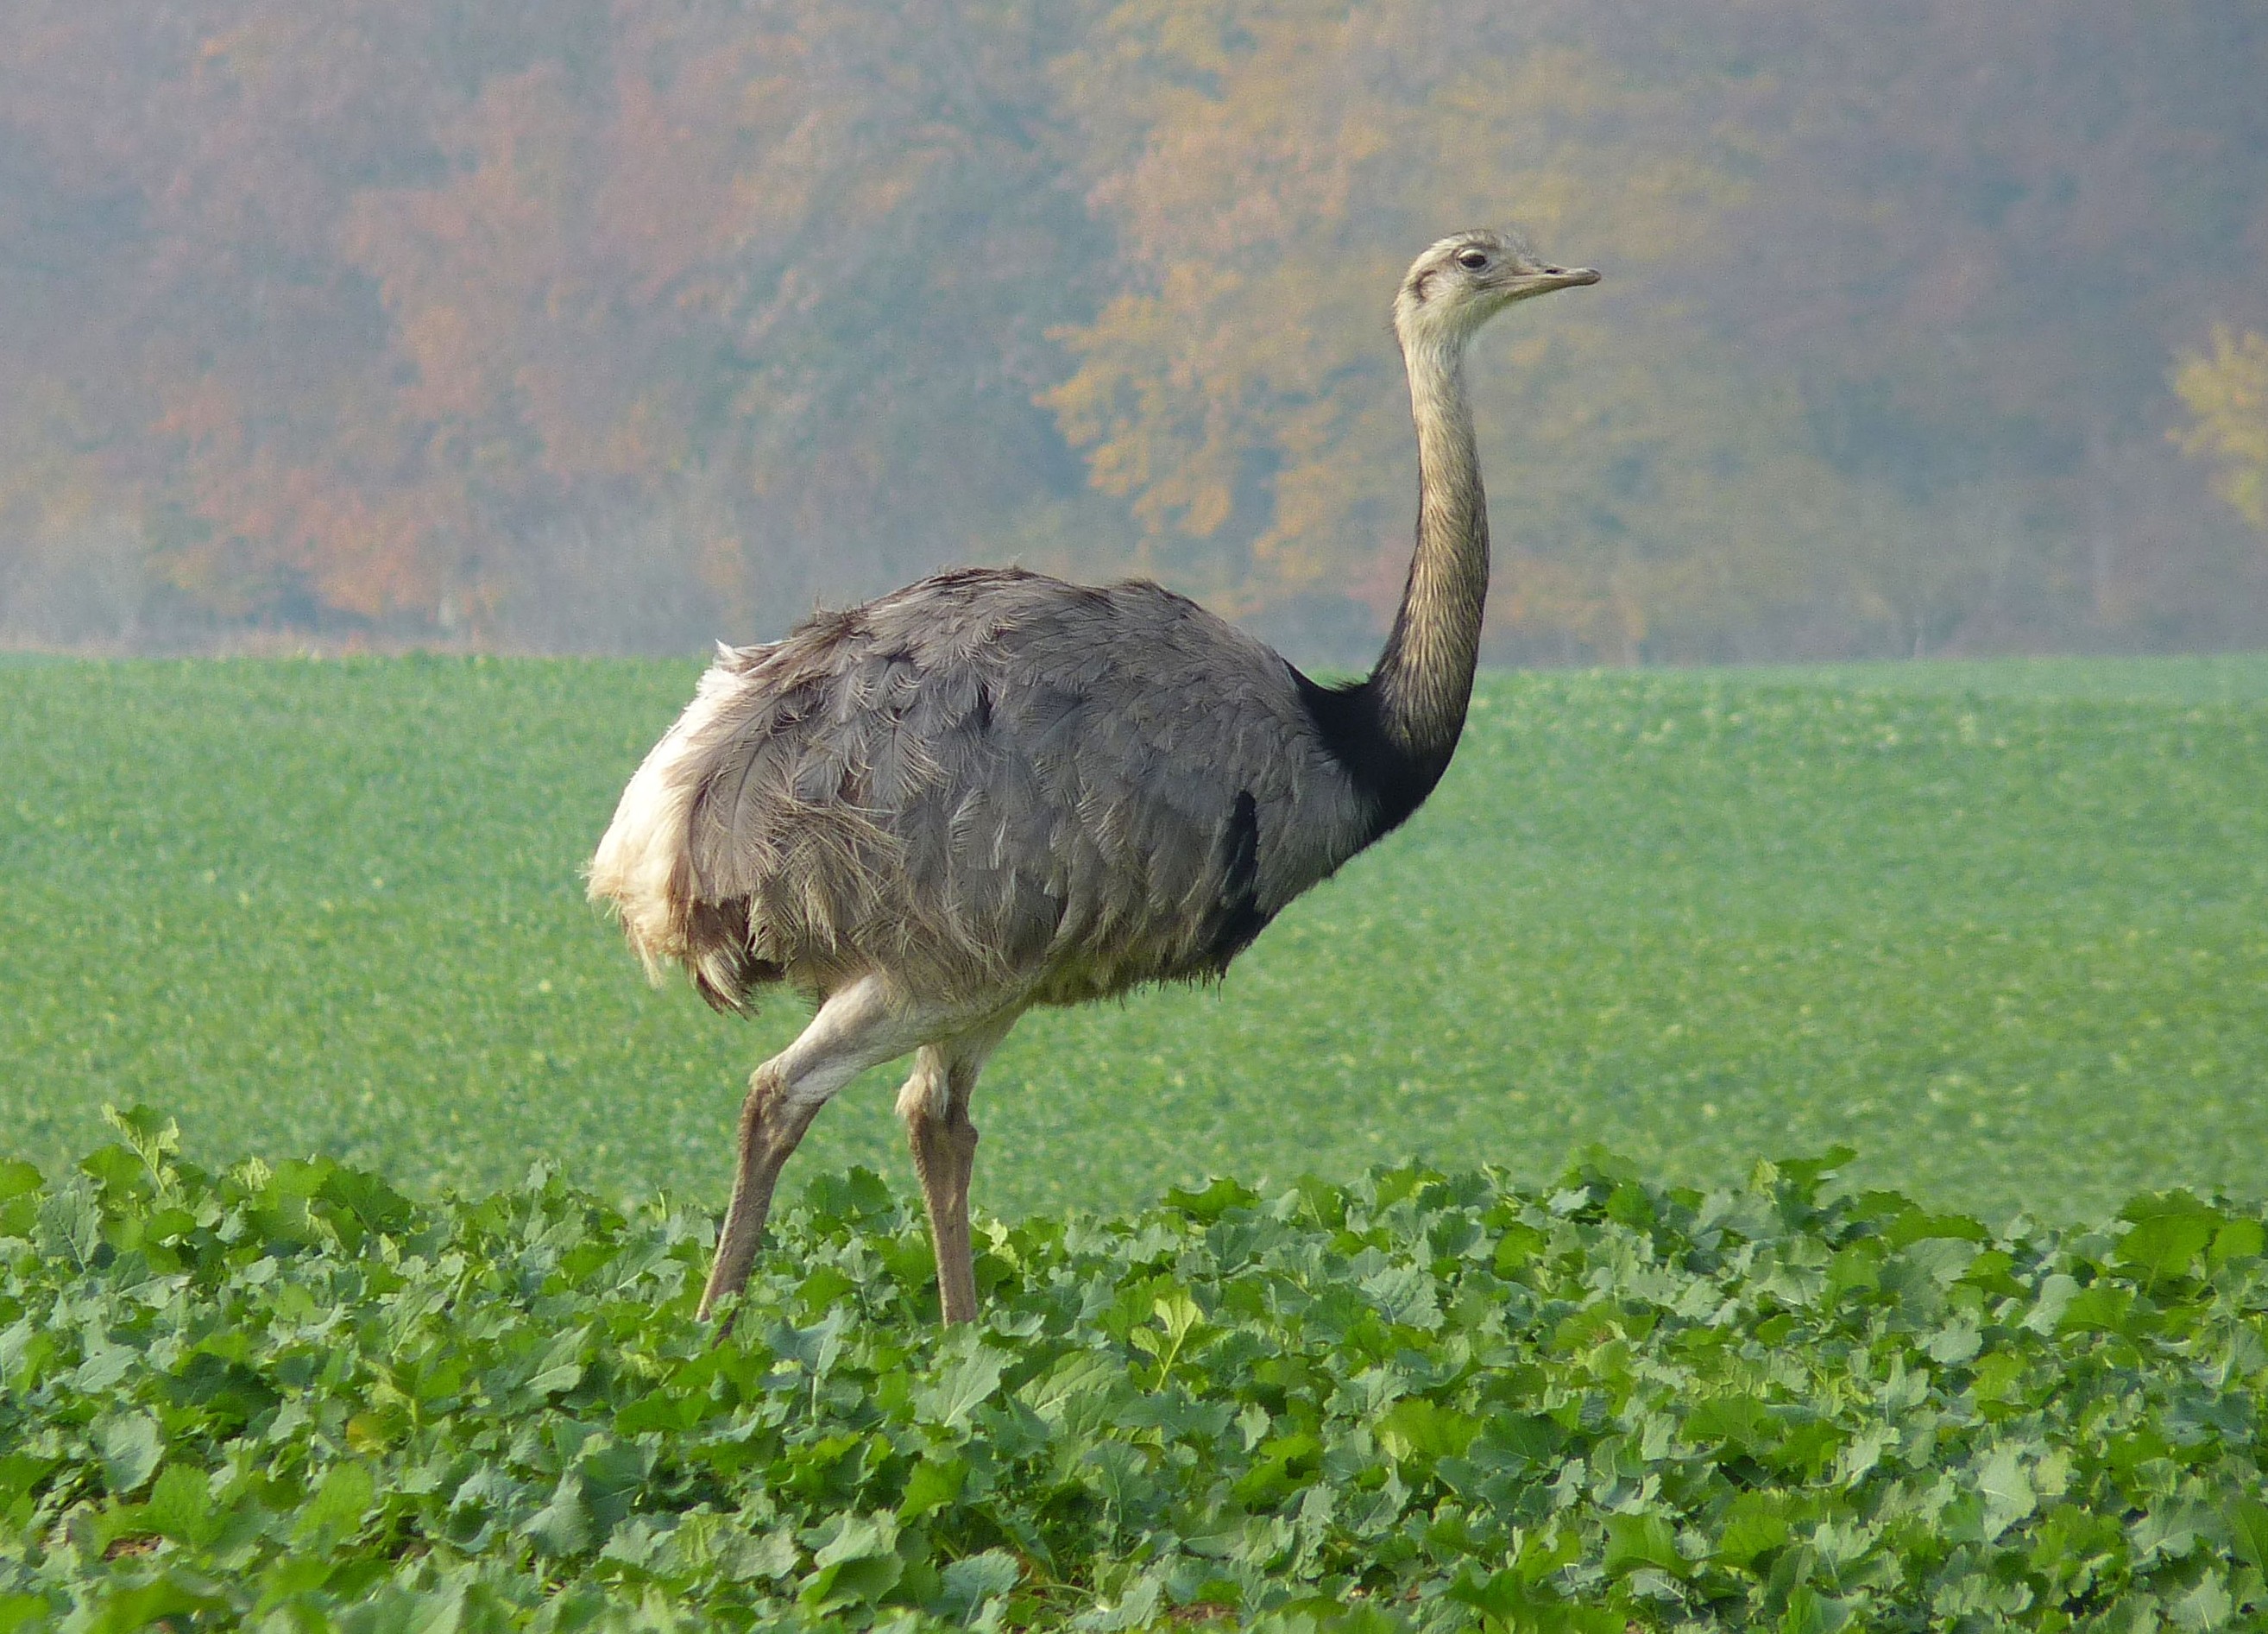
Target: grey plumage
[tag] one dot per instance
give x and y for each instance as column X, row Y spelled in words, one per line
column 992, row 789
column 993, row 783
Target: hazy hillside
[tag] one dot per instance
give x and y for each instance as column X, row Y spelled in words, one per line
column 577, row 325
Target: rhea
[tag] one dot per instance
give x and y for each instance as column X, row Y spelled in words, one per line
column 993, row 790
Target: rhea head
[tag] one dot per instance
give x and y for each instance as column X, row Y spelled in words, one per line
column 1468, row 278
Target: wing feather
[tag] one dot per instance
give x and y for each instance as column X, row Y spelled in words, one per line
column 994, row 777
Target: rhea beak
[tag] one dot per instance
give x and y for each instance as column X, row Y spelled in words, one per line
column 1527, row 285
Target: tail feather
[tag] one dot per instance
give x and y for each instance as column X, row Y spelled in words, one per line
column 726, row 969
column 642, row 868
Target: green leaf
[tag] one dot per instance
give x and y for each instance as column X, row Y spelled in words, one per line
column 1917, row 1226
column 552, row 1380
column 68, row 1225
column 1810, row 1612
column 1519, row 1245
column 1416, row 1430
column 2248, row 1530
column 858, row 1563
column 1317, row 1616
column 1405, row 1294
column 154, row 1137
column 1505, row 1596
column 1121, row 1475
column 1217, row 1199
column 180, row 1505
column 2206, row 1606
column 661, row 1411
column 1635, row 1541
column 563, row 1525
column 1740, row 1422
column 931, row 1485
column 1519, row 1438
column 175, row 1595
column 2156, row 1205
column 856, row 1537
column 366, row 1198
column 2166, row 1245
column 2006, row 1485
column 767, row 1555
column 1806, row 1173
column 970, row 1582
column 851, row 1196
column 1075, row 1394
column 816, row 1347
column 129, row 1444
column 336, row 1511
column 1954, row 1344
column 2239, row 1240
column 1755, row 1524
column 1177, row 1313
column 2056, row 1290
column 2100, row 1307
column 18, row 1179
column 966, row 1381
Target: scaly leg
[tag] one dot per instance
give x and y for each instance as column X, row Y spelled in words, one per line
column 935, row 1106
column 860, row 1025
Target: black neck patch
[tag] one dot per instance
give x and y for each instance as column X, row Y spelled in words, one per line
column 1348, row 720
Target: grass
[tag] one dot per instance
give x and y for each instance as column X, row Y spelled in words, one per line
column 1997, row 926
column 2214, row 678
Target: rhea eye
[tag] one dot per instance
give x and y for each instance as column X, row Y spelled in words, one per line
column 1472, row 261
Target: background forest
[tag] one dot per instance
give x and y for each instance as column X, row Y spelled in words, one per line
column 575, row 325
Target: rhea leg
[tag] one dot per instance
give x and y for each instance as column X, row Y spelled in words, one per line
column 935, row 1106
column 860, row 1025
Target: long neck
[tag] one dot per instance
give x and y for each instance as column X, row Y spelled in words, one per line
column 1425, row 678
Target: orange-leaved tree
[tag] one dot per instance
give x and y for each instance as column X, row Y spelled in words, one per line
column 1268, row 170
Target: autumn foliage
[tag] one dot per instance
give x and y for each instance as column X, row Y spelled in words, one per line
column 587, row 325
column 2227, row 392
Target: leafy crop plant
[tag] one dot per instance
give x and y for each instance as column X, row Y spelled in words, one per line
column 289, row 1398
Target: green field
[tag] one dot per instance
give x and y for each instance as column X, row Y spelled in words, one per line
column 1998, row 926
